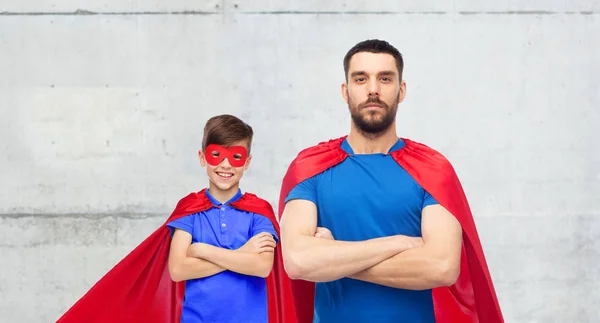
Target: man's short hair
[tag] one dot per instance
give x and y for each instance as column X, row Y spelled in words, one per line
column 374, row 46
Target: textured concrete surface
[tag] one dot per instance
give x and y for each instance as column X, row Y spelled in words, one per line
column 102, row 107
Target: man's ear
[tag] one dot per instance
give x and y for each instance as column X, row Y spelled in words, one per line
column 402, row 92
column 202, row 158
column 345, row 92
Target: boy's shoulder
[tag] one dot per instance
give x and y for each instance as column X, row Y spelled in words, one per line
column 252, row 203
column 253, row 200
column 198, row 199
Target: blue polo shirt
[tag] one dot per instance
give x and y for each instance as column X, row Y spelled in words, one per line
column 364, row 197
column 227, row 296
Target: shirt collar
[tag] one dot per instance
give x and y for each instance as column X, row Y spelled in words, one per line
column 397, row 146
column 215, row 202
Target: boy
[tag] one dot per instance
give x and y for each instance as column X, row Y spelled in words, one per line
column 224, row 253
column 214, row 260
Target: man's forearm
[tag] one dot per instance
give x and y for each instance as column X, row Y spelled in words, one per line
column 321, row 260
column 415, row 269
column 193, row 268
column 246, row 263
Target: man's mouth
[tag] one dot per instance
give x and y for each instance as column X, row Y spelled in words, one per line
column 373, row 108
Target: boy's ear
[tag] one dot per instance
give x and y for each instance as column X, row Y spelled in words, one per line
column 248, row 160
column 202, row 158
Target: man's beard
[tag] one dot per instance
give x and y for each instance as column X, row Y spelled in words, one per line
column 373, row 127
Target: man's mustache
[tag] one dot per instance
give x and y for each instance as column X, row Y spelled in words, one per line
column 375, row 100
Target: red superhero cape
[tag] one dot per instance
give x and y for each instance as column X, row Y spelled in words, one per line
column 472, row 298
column 139, row 288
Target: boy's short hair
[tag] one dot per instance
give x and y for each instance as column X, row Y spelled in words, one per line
column 225, row 130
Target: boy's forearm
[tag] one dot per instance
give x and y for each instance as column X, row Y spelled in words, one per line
column 194, row 268
column 246, row 263
column 321, row 260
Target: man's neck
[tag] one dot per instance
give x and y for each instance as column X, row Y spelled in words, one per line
column 223, row 196
column 366, row 144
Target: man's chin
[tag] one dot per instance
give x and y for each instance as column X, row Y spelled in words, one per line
column 372, row 126
column 372, row 123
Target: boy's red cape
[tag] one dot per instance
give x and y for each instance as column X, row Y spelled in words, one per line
column 472, row 298
column 139, row 288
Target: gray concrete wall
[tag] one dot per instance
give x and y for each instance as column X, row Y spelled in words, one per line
column 102, row 106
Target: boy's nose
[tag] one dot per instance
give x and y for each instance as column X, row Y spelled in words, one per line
column 225, row 163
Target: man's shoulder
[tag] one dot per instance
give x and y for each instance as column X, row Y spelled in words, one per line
column 420, row 149
column 426, row 160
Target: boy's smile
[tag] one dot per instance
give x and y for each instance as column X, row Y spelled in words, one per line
column 225, row 176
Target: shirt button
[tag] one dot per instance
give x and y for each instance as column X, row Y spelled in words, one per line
column 223, row 225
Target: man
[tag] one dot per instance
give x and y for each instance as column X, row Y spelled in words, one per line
column 380, row 223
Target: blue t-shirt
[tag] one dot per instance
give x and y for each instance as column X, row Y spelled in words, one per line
column 364, row 197
column 227, row 296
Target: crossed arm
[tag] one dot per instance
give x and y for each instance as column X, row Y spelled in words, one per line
column 198, row 260
column 396, row 261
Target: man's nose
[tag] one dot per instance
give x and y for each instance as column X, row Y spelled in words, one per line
column 373, row 88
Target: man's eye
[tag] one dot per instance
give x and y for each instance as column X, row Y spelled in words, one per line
column 237, row 156
column 215, row 154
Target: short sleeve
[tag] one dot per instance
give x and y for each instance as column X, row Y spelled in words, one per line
column 185, row 223
column 261, row 223
column 305, row 190
column 428, row 199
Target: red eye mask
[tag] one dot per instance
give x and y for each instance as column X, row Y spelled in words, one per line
column 236, row 155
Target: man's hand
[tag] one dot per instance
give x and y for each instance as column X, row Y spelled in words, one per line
column 409, row 242
column 436, row 263
column 413, row 242
column 321, row 258
column 262, row 242
column 324, row 233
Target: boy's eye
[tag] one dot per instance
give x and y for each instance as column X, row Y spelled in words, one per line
column 237, row 156
column 215, row 154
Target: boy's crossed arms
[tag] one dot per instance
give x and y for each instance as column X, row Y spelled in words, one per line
column 189, row 260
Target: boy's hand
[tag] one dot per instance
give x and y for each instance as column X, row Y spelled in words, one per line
column 262, row 242
column 324, row 233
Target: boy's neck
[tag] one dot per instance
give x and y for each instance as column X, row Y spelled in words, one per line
column 221, row 195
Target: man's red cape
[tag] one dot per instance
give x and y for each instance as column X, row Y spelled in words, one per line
column 472, row 298
column 139, row 288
